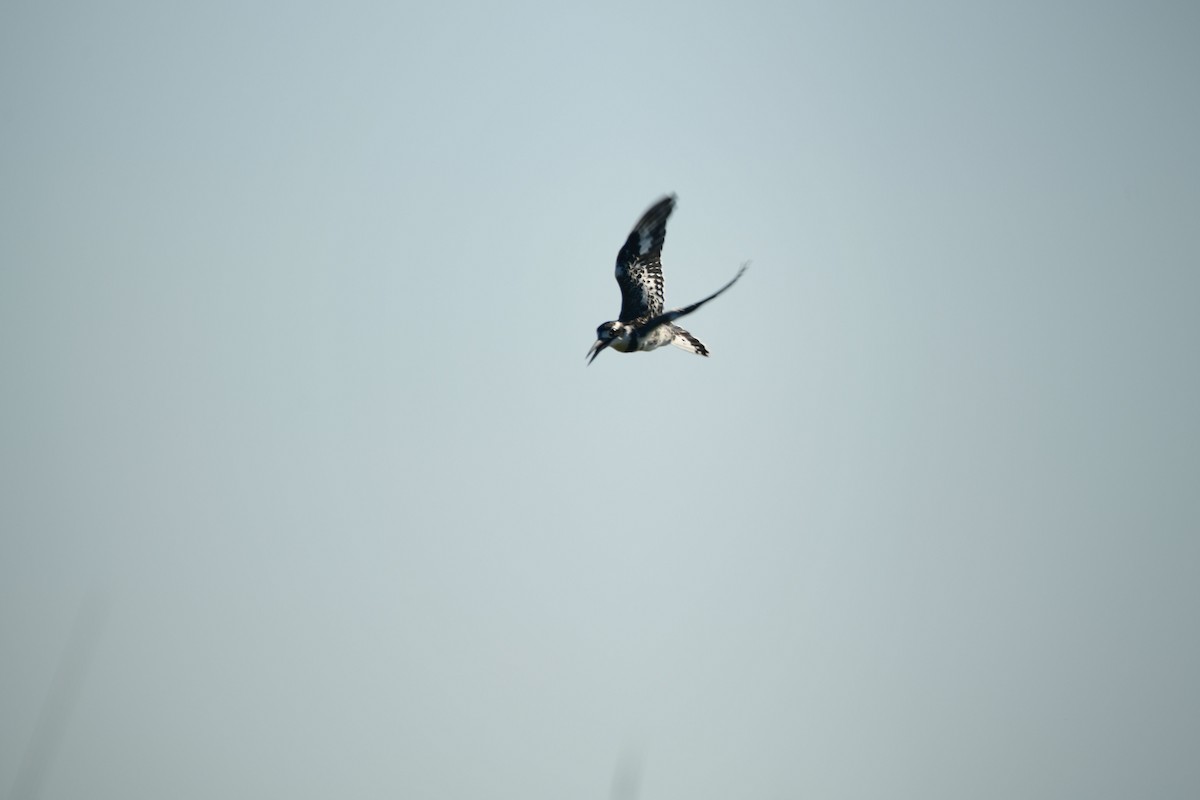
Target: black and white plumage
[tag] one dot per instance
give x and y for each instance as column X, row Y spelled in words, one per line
column 643, row 325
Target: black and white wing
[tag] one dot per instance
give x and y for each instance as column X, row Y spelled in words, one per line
column 639, row 264
column 670, row 316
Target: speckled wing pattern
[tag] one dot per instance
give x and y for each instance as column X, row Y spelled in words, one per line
column 646, row 327
column 639, row 264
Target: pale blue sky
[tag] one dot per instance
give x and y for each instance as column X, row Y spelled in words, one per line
column 294, row 303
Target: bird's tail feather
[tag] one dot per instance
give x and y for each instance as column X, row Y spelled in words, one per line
column 685, row 341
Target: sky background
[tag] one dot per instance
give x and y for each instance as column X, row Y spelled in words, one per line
column 305, row 490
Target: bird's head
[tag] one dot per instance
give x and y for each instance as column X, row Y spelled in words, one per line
column 606, row 334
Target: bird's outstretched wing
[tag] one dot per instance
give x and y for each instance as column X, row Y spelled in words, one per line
column 670, row 316
column 639, row 264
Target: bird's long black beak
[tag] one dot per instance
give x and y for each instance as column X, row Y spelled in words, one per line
column 596, row 348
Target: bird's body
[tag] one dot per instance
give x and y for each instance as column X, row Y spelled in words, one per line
column 625, row 338
column 643, row 325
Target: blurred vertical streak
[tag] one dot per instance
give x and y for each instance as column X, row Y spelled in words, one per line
column 61, row 697
column 627, row 777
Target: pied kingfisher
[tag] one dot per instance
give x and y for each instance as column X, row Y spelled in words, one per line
column 643, row 325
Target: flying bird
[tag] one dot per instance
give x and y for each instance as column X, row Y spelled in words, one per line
column 643, row 325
